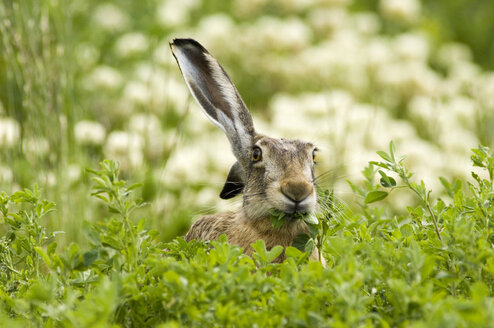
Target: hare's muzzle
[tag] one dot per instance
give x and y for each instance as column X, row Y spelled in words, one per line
column 297, row 191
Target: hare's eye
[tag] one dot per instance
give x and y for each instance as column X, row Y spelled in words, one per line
column 256, row 154
column 314, row 155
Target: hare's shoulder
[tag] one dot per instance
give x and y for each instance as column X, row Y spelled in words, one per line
column 210, row 227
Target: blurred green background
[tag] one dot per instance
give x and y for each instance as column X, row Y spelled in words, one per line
column 81, row 81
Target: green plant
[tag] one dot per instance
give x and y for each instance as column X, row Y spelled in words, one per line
column 382, row 270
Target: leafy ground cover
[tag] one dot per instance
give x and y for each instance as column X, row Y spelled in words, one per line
column 85, row 80
column 433, row 267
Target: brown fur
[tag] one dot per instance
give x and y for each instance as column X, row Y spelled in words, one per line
column 244, row 232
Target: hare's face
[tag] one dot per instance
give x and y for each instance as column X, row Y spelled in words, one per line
column 281, row 177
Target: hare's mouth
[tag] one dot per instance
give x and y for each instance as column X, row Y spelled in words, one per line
column 295, row 208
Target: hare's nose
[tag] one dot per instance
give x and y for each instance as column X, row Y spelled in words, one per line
column 296, row 190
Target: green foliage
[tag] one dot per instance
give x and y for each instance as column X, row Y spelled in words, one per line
column 431, row 268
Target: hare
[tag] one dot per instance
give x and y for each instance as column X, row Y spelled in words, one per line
column 273, row 174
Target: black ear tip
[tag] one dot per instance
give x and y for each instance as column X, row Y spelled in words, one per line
column 231, row 189
column 185, row 43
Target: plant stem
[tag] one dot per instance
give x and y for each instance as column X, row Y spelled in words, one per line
column 434, row 220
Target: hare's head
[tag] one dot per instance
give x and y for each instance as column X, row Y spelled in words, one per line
column 272, row 173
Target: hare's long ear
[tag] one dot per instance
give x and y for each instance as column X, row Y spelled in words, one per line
column 214, row 91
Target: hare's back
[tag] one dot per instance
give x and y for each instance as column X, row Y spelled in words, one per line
column 210, row 227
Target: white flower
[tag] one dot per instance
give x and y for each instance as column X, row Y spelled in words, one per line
column 464, row 110
column 176, row 94
column 6, row 174
column 89, row 133
column 458, row 141
column 105, row 77
column 206, row 197
column 400, row 10
column 451, row 53
column 295, row 5
column 186, row 165
column 125, row 147
column 378, row 52
column 163, row 56
column 367, row 23
column 275, row 33
column 137, row 93
column 131, row 44
column 326, row 20
column 73, row 173
column 149, row 127
column 412, row 47
column 217, row 30
column 144, row 124
column 35, row 147
column 86, row 54
column 47, row 178
column 465, row 73
column 110, row 17
column 10, row 132
column 245, row 8
column 485, row 89
column 172, row 13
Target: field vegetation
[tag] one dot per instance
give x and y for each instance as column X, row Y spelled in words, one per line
column 105, row 161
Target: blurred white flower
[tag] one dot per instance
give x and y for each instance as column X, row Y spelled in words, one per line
column 206, row 197
column 149, row 127
column 105, row 77
column 425, row 160
column 109, row 17
column 172, row 13
column 131, row 44
column 400, row 10
column 6, row 174
column 366, row 23
column 176, row 94
column 378, row 52
column 315, row 104
column 451, row 53
column 484, row 89
column 137, row 93
column 243, row 7
column 326, row 20
column 47, row 178
column 86, row 55
column 89, row 133
column 295, row 5
column 288, row 116
column 144, row 124
column 274, row 33
column 196, row 124
column 186, row 165
column 457, row 141
column 165, row 201
column 73, row 173
column 163, row 56
column 125, row 147
column 217, row 30
column 334, row 3
column 409, row 78
column 465, row 111
column 465, row 73
column 35, row 147
column 412, row 47
column 10, row 132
